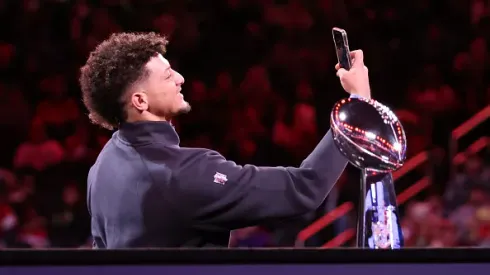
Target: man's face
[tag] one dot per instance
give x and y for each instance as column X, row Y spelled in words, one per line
column 162, row 88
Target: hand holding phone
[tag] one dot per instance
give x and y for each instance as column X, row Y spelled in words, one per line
column 350, row 69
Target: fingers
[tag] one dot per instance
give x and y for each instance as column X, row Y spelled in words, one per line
column 357, row 58
column 341, row 72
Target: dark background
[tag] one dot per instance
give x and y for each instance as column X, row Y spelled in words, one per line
column 260, row 77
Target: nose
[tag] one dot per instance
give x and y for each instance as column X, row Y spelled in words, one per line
column 179, row 79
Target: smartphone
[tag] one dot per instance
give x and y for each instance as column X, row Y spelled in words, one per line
column 342, row 47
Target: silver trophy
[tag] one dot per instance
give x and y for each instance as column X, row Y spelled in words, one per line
column 372, row 138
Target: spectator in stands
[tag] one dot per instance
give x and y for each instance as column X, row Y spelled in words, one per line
column 57, row 112
column 465, row 217
column 70, row 221
column 39, row 152
column 33, row 232
column 458, row 191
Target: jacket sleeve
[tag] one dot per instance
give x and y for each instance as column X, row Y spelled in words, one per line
column 222, row 195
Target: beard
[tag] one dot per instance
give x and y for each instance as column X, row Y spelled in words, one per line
column 184, row 109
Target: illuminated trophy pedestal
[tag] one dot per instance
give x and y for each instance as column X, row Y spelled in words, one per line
column 372, row 138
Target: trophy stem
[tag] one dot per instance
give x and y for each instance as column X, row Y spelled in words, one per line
column 378, row 224
column 361, row 223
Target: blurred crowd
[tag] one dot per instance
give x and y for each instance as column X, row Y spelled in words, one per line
column 260, row 78
column 461, row 217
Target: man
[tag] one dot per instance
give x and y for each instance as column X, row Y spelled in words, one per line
column 146, row 191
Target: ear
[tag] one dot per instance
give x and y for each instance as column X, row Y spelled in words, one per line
column 139, row 101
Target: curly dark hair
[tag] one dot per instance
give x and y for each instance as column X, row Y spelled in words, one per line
column 115, row 65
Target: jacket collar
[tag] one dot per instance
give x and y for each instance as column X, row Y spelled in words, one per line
column 146, row 132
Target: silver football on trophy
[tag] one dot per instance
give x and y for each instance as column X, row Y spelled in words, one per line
column 368, row 134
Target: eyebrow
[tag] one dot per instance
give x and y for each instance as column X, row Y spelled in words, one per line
column 165, row 72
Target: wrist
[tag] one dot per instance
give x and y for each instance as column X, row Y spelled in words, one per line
column 359, row 96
